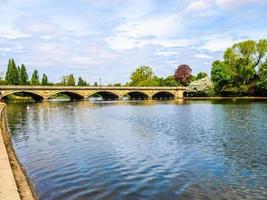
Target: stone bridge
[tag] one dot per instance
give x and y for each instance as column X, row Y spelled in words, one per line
column 107, row 93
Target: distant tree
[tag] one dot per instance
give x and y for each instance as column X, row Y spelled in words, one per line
column 35, row 78
column 183, row 74
column 12, row 76
column 95, row 84
column 117, row 84
column 201, row 87
column 18, row 71
column 68, row 80
column 168, row 81
column 71, row 80
column 201, row 75
column 143, row 76
column 81, row 82
column 44, row 79
column 23, row 75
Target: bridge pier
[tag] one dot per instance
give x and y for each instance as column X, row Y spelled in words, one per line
column 180, row 94
column 45, row 99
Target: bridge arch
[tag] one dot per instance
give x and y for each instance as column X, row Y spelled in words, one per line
column 163, row 95
column 71, row 94
column 105, row 95
column 33, row 94
column 137, row 95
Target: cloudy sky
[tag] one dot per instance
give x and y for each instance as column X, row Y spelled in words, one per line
column 110, row 38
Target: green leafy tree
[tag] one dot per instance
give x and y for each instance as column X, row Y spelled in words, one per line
column 201, row 75
column 262, row 83
column 23, row 75
column 12, row 76
column 35, row 78
column 45, row 80
column 71, row 80
column 81, row 82
column 237, row 73
column 168, row 81
column 143, row 76
column 220, row 75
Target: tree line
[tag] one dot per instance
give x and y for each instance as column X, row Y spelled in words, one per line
column 242, row 72
column 18, row 75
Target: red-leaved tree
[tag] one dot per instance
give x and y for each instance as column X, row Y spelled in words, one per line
column 183, row 74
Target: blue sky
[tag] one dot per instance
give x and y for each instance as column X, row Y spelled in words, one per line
column 110, row 38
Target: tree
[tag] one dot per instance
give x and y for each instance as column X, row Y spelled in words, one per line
column 201, row 87
column 35, row 78
column 81, row 82
column 18, row 71
column 238, row 72
column 44, row 79
column 220, row 75
column 23, row 75
column 201, row 75
column 71, row 80
column 262, row 83
column 12, row 76
column 68, row 80
column 143, row 76
column 168, row 81
column 183, row 74
column 117, row 84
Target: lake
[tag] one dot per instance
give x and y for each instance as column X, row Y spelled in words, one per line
column 143, row 149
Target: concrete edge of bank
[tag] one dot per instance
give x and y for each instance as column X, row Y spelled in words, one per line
column 14, row 183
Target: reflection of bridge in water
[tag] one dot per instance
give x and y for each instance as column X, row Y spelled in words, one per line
column 44, row 93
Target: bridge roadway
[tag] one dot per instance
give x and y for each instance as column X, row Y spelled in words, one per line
column 44, row 93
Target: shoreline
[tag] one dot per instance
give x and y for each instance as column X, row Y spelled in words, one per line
column 23, row 189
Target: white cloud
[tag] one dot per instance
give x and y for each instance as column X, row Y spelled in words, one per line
column 157, row 26
column 124, row 43
column 218, row 44
column 198, row 6
column 202, row 55
column 230, row 4
column 8, row 32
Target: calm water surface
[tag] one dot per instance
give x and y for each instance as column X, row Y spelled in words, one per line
column 143, row 150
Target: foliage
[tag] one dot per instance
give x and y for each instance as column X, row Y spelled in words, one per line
column 201, row 87
column 237, row 73
column 262, row 83
column 201, row 75
column 68, row 80
column 117, row 84
column 44, row 79
column 81, row 82
column 35, row 78
column 3, row 82
column 143, row 76
column 23, row 75
column 168, row 81
column 12, row 76
column 183, row 74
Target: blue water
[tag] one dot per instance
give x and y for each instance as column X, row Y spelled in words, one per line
column 143, row 150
